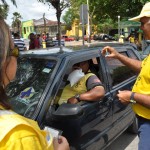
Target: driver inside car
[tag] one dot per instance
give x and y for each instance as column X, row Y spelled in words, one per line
column 84, row 85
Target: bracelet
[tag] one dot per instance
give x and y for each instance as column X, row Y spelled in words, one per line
column 132, row 98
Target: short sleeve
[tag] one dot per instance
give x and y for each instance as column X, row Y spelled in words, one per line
column 92, row 82
column 23, row 138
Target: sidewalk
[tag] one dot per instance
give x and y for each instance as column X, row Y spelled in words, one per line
column 93, row 42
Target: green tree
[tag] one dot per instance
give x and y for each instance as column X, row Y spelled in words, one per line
column 69, row 17
column 4, row 2
column 4, row 11
column 16, row 21
column 59, row 5
column 104, row 11
column 4, row 8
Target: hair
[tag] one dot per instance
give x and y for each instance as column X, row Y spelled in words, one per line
column 16, row 35
column 5, row 46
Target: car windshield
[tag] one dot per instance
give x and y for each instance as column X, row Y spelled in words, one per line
column 31, row 79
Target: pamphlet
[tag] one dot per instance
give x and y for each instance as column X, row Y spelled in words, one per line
column 53, row 132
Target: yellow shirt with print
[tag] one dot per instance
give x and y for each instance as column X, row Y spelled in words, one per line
column 142, row 86
column 78, row 88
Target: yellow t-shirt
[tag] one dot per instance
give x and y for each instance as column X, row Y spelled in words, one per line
column 131, row 39
column 20, row 133
column 142, row 86
column 78, row 88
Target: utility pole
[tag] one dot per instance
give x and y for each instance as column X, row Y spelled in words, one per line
column 118, row 27
column 82, row 27
column 88, row 22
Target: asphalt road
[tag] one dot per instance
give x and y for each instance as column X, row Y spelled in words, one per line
column 126, row 141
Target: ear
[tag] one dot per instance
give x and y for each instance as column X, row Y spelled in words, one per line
column 9, row 69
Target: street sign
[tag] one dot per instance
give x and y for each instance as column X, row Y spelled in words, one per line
column 83, row 14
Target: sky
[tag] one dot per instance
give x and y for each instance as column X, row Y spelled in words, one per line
column 30, row 9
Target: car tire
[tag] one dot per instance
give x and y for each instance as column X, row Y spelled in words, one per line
column 133, row 128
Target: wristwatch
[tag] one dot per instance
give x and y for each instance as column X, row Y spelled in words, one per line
column 77, row 96
column 132, row 98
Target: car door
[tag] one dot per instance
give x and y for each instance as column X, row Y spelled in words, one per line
column 121, row 78
column 89, row 127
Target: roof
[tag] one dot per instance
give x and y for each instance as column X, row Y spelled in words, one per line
column 130, row 24
column 40, row 22
column 55, row 51
column 48, row 51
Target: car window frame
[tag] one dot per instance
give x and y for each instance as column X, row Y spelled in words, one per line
column 123, row 50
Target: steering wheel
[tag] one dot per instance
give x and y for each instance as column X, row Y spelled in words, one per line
column 30, row 108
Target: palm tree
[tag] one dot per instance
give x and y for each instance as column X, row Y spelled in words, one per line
column 4, row 11
column 4, row 8
column 16, row 21
column 5, row 3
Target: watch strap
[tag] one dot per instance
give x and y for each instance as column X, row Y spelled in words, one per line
column 132, row 98
column 77, row 96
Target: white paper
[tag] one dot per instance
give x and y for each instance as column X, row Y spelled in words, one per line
column 55, row 133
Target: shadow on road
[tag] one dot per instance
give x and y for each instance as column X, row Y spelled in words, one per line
column 126, row 141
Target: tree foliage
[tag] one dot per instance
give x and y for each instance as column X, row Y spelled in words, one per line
column 105, row 10
column 16, row 21
column 69, row 17
column 59, row 5
column 4, row 8
column 4, row 2
column 4, row 11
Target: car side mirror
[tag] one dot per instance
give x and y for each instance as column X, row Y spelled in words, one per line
column 67, row 111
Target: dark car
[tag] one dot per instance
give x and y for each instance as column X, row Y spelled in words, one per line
column 41, row 77
column 104, row 37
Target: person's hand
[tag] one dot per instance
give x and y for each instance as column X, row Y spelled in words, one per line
column 61, row 143
column 72, row 100
column 112, row 52
column 124, row 96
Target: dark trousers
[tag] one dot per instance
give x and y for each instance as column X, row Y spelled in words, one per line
column 144, row 134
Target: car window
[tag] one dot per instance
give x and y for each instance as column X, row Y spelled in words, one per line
column 31, row 79
column 118, row 71
column 93, row 67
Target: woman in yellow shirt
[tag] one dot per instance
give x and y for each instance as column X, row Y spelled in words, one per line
column 18, row 132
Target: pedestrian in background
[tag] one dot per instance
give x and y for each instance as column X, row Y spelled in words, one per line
column 16, row 131
column 40, row 39
column 34, row 42
column 140, row 94
column 131, row 38
column 19, row 43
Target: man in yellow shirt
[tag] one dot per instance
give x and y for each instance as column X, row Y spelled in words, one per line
column 88, row 87
column 140, row 94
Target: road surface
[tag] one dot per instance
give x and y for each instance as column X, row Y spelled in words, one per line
column 126, row 141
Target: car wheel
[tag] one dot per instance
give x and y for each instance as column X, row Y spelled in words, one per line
column 133, row 128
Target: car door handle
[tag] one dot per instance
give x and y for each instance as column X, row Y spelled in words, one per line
column 108, row 101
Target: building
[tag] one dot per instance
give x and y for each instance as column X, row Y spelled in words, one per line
column 38, row 27
column 131, row 27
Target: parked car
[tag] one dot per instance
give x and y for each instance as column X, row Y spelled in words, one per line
column 66, row 38
column 41, row 77
column 104, row 37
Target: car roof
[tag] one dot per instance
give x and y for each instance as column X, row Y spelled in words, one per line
column 63, row 51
